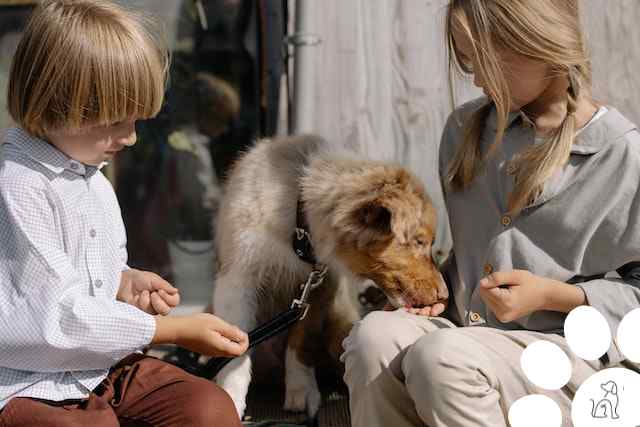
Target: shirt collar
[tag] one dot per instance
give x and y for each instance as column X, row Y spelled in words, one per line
column 596, row 136
column 47, row 154
column 601, row 133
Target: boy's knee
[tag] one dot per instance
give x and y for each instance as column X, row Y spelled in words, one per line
column 209, row 405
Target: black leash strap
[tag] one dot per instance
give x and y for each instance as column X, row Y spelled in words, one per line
column 263, row 332
column 278, row 324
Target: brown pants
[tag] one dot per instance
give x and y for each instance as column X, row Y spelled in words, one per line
column 140, row 391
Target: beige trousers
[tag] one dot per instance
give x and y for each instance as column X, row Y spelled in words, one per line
column 405, row 370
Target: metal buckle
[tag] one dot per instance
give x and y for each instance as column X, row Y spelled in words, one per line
column 300, row 233
column 315, row 279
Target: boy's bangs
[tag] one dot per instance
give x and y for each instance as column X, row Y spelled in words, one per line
column 86, row 63
column 130, row 79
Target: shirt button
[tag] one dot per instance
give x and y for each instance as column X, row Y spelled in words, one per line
column 73, row 165
column 474, row 317
column 506, row 220
column 488, row 269
column 92, row 233
column 98, row 283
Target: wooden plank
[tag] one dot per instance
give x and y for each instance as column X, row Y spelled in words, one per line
column 613, row 37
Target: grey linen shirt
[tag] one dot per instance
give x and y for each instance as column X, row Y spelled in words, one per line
column 585, row 224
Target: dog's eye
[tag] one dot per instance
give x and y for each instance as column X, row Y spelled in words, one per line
column 420, row 242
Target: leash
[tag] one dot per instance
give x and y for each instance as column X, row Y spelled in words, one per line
column 301, row 242
column 280, row 323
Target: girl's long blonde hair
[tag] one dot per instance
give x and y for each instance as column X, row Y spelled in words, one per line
column 86, row 62
column 544, row 30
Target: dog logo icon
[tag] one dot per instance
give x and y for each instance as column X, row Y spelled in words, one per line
column 607, row 407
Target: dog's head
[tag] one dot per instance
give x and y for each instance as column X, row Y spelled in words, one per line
column 383, row 225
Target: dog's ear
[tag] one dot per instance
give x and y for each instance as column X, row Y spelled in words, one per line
column 375, row 217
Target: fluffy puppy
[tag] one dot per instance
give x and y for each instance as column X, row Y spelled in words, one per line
column 367, row 220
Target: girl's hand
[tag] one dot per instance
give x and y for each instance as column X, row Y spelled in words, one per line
column 147, row 291
column 429, row 310
column 514, row 294
column 511, row 295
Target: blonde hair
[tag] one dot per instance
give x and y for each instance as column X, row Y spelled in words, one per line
column 85, row 62
column 544, row 30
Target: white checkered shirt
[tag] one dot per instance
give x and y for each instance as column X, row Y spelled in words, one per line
column 62, row 251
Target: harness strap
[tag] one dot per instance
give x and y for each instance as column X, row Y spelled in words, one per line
column 301, row 238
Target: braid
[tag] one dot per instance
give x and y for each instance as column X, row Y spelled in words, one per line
column 537, row 164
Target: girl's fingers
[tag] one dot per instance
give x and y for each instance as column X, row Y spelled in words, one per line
column 430, row 310
column 502, row 278
column 437, row 309
column 493, row 295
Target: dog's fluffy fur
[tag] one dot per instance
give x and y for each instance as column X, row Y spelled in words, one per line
column 367, row 219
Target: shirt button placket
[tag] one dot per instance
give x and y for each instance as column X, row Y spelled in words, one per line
column 93, row 269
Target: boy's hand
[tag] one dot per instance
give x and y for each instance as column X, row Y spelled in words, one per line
column 147, row 291
column 203, row 333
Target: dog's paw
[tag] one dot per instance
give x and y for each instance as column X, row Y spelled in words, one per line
column 303, row 396
column 239, row 402
column 301, row 386
column 236, row 394
column 235, row 379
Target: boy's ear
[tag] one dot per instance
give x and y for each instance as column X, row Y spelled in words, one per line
column 375, row 217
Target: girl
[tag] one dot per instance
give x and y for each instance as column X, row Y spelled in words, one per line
column 541, row 192
column 72, row 313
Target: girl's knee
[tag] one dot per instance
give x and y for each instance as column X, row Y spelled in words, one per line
column 375, row 338
column 433, row 356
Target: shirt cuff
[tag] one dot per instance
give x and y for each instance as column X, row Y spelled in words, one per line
column 593, row 291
